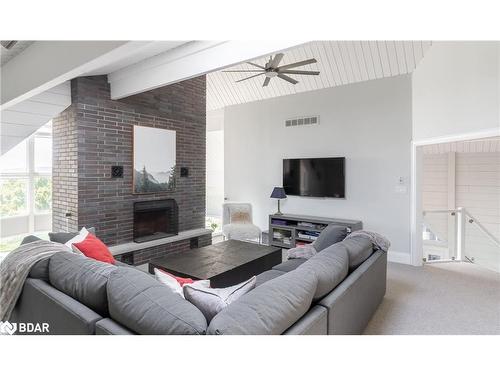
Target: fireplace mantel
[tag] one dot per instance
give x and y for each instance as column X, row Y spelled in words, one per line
column 129, row 247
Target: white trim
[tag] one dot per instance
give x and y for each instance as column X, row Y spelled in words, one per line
column 399, row 257
column 415, row 204
column 487, row 133
column 188, row 61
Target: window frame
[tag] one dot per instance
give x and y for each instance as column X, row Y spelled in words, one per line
column 30, row 175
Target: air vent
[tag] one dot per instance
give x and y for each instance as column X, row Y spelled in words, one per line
column 299, row 121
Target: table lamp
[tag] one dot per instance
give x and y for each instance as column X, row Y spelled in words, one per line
column 278, row 193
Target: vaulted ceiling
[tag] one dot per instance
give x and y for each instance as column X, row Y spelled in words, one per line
column 7, row 54
column 339, row 63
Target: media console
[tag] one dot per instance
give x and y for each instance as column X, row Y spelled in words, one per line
column 288, row 230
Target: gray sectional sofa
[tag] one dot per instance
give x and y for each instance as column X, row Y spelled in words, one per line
column 335, row 292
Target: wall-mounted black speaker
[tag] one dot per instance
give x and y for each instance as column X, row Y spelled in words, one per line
column 117, row 171
column 184, row 172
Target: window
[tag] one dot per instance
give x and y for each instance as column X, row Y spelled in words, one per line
column 26, row 178
column 43, row 194
column 15, row 160
column 43, row 154
column 13, row 196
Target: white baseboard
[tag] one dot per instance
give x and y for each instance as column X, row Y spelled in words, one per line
column 398, row 257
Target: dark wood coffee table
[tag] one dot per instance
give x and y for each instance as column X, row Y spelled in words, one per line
column 224, row 264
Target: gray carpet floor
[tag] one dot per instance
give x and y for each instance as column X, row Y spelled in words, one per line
column 438, row 298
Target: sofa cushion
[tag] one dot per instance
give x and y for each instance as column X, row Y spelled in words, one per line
column 330, row 235
column 63, row 237
column 144, row 305
column 267, row 275
column 29, row 239
column 81, row 278
column 211, row 301
column 359, row 249
column 269, row 309
column 289, row 265
column 40, row 270
column 330, row 267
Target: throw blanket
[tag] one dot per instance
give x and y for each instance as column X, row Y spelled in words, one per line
column 379, row 242
column 16, row 266
column 302, row 252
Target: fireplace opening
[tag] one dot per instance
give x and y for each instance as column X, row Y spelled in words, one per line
column 155, row 219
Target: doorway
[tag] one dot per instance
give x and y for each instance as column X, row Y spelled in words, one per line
column 459, row 195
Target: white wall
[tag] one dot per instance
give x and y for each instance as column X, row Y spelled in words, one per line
column 369, row 123
column 456, row 89
column 215, row 162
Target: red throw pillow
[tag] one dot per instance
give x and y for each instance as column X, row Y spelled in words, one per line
column 180, row 280
column 93, row 247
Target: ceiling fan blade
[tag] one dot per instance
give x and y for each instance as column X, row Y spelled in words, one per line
column 276, row 61
column 288, row 79
column 305, row 72
column 256, row 65
column 244, row 79
column 300, row 63
column 266, row 81
column 241, row 71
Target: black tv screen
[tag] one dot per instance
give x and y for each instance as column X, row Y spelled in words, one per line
column 322, row 177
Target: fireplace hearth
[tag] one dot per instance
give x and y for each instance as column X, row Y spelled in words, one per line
column 155, row 219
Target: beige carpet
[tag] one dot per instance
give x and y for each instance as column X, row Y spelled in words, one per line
column 439, row 298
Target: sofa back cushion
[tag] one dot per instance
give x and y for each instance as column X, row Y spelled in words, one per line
column 359, row 249
column 40, row 270
column 330, row 235
column 146, row 306
column 269, row 309
column 81, row 278
column 330, row 267
column 63, row 237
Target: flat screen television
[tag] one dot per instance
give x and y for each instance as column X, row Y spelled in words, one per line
column 319, row 177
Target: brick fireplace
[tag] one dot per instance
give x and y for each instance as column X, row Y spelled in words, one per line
column 95, row 133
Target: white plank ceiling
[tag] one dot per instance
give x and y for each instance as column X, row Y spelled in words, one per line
column 339, row 63
column 21, row 120
column 8, row 54
column 476, row 146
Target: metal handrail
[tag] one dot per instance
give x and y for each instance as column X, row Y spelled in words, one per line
column 439, row 211
column 473, row 220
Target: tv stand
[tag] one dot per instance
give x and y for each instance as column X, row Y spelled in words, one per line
column 289, row 230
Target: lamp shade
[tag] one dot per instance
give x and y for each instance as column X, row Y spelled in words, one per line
column 278, row 193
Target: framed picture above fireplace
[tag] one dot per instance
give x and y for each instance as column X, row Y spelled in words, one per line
column 154, row 160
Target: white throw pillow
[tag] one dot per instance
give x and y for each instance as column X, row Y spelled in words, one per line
column 174, row 285
column 210, row 301
column 78, row 238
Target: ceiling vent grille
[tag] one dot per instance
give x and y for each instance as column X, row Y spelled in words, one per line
column 303, row 120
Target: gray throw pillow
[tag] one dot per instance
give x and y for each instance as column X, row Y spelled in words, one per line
column 30, row 239
column 211, row 301
column 63, row 237
column 330, row 235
